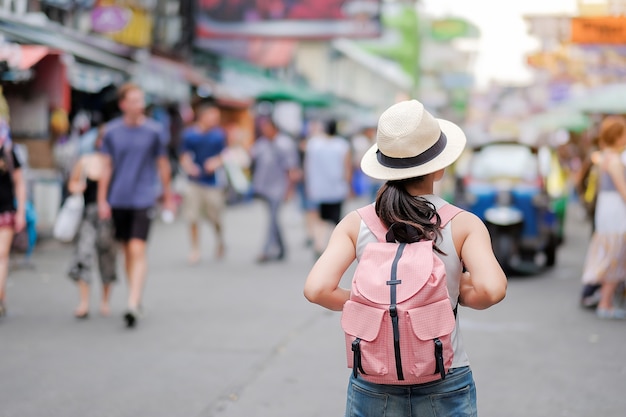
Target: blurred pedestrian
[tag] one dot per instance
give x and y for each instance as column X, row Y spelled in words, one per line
column 412, row 151
column 95, row 248
column 275, row 172
column 65, row 146
column 327, row 173
column 308, row 207
column 135, row 157
column 202, row 145
column 361, row 142
column 586, row 181
column 605, row 263
column 12, row 205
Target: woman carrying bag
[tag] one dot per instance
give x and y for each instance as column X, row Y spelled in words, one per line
column 12, row 205
column 411, row 152
column 94, row 244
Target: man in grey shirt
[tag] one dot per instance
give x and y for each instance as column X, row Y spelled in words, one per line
column 135, row 149
column 276, row 171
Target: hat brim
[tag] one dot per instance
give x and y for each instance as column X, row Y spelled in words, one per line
column 454, row 148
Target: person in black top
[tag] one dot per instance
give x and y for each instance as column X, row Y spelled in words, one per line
column 95, row 243
column 12, row 206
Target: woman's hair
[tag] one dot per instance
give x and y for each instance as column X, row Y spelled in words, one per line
column 611, row 129
column 417, row 216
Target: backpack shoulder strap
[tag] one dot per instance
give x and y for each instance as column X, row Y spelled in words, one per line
column 447, row 213
column 373, row 222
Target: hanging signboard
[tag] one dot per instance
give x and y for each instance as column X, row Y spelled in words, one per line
column 317, row 19
column 130, row 26
column 599, row 30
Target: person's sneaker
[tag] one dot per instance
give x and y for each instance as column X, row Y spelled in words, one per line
column 612, row 313
column 591, row 301
column 590, row 295
column 131, row 317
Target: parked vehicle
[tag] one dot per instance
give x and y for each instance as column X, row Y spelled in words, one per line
column 505, row 184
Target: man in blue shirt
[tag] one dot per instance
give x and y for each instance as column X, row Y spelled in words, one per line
column 202, row 145
column 135, row 153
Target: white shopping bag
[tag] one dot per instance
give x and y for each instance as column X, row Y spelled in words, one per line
column 68, row 220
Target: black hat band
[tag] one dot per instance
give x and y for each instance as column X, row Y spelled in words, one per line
column 414, row 161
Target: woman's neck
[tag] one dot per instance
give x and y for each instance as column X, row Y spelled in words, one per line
column 424, row 187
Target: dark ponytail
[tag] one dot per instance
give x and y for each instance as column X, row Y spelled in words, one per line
column 417, row 217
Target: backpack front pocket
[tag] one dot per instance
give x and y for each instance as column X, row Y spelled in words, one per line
column 432, row 326
column 362, row 326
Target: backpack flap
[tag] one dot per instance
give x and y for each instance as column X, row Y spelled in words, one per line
column 432, row 321
column 361, row 321
column 374, row 269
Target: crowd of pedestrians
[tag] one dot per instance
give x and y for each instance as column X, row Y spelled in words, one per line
column 128, row 171
column 124, row 168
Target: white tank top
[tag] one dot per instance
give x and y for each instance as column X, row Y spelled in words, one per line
column 453, row 273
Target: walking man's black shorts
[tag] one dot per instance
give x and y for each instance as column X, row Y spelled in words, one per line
column 132, row 223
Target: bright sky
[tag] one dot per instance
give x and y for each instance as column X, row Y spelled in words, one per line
column 504, row 39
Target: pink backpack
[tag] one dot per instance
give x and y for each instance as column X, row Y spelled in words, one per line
column 399, row 321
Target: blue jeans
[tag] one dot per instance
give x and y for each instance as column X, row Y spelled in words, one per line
column 453, row 397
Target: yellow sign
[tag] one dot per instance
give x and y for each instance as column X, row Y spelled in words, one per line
column 599, row 30
column 124, row 22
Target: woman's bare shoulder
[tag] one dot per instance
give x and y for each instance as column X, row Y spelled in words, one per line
column 467, row 220
column 465, row 224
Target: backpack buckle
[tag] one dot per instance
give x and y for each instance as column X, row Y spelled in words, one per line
column 393, row 311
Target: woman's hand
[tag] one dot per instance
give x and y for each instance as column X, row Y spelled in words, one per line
column 212, row 164
column 104, row 210
column 20, row 221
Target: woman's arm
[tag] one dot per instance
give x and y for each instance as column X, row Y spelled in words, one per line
column 322, row 284
column 484, row 284
column 104, row 210
column 165, row 174
column 615, row 169
column 76, row 183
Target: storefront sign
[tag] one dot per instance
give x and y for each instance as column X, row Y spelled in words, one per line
column 448, row 29
column 599, row 30
column 132, row 27
column 109, row 19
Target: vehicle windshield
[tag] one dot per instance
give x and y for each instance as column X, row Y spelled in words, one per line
column 504, row 162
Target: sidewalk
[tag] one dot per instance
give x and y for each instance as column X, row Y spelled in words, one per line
column 237, row 339
column 223, row 338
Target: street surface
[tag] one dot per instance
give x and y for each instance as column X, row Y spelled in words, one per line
column 231, row 338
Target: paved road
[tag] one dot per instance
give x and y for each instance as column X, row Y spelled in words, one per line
column 235, row 339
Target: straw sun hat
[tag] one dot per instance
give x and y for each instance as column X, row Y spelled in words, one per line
column 410, row 143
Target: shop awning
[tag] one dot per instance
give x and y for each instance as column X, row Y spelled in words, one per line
column 248, row 81
column 299, row 94
column 31, row 55
column 23, row 59
column 606, row 99
column 28, row 33
column 92, row 79
column 163, row 80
